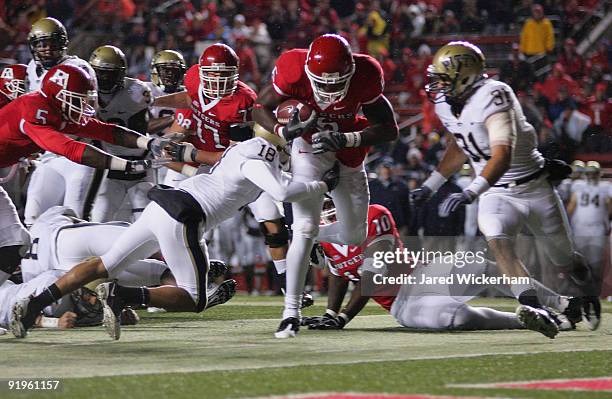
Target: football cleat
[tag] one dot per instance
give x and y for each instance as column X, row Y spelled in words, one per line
column 537, row 319
column 129, row 317
column 288, row 328
column 221, row 293
column 591, row 312
column 572, row 309
column 307, row 300
column 216, row 269
column 3, row 331
column 18, row 312
column 113, row 305
column 153, row 309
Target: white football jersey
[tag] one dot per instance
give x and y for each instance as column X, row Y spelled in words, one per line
column 35, row 80
column 156, row 91
column 591, row 205
column 42, row 254
column 469, row 129
column 224, row 190
column 127, row 107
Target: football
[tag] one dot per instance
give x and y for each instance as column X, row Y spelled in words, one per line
column 286, row 109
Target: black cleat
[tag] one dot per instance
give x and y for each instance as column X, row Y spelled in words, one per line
column 307, row 300
column 217, row 268
column 288, row 328
column 537, row 319
column 573, row 309
column 221, row 293
column 591, row 312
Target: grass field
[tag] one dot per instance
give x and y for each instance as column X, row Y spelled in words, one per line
column 230, row 351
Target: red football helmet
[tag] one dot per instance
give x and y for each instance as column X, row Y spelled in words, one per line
column 12, row 80
column 219, row 71
column 72, row 90
column 330, row 67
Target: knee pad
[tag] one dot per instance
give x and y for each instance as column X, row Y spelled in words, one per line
column 305, row 228
column 276, row 240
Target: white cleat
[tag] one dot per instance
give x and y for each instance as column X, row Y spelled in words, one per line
column 288, row 328
column 219, row 294
column 111, row 322
column 18, row 312
column 537, row 319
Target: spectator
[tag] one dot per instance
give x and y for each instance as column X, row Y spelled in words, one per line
column 449, row 24
column 552, row 84
column 416, row 168
column 518, row 73
column 435, row 149
column 599, row 108
column 571, row 60
column 471, row 19
column 537, row 36
column 377, row 33
column 249, row 70
column 392, row 193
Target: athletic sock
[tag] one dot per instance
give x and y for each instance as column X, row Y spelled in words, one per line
column 49, row 295
column 134, row 295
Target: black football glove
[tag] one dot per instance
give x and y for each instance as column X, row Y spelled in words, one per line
column 332, row 177
column 328, row 323
column 295, row 128
column 327, row 140
column 421, row 195
column 181, row 152
column 306, row 321
column 139, row 166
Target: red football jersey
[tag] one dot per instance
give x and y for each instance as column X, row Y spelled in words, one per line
column 29, row 124
column 345, row 260
column 290, row 80
column 212, row 118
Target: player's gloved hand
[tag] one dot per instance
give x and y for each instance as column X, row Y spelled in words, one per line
column 454, row 201
column 332, row 177
column 327, row 140
column 332, row 323
column 181, row 152
column 67, row 320
column 307, row 321
column 421, row 195
column 295, row 128
column 138, row 166
column 156, row 146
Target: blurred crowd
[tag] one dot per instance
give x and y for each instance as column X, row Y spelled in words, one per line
column 565, row 95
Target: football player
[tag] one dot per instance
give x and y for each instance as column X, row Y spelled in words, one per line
column 420, row 306
column 40, row 121
column 168, row 69
column 55, row 180
column 12, row 83
column 486, row 126
column 567, row 186
column 221, row 112
column 123, row 101
column 338, row 85
column 174, row 223
column 590, row 208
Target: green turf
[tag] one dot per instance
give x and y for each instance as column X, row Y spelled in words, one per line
column 229, row 351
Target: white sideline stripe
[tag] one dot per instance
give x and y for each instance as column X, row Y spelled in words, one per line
column 348, row 362
column 370, row 394
column 542, row 381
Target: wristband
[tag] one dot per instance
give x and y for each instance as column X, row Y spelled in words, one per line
column 143, row 142
column 118, row 164
column 353, row 139
column 331, row 313
column 191, row 155
column 49, row 322
column 435, row 181
column 478, row 186
column 189, row 170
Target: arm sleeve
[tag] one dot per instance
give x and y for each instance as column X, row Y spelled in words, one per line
column 52, row 140
column 281, row 189
column 501, row 128
column 94, row 129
